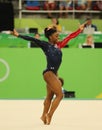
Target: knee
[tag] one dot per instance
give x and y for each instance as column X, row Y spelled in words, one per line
column 48, row 100
column 60, row 96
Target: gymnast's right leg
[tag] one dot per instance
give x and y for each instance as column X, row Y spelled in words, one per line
column 54, row 86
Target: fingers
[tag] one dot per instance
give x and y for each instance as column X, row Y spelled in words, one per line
column 81, row 27
column 14, row 32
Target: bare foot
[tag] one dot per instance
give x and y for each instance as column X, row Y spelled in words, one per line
column 48, row 119
column 43, row 118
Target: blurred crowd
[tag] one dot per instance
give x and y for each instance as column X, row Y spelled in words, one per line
column 63, row 5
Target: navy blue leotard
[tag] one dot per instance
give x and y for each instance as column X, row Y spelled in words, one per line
column 53, row 52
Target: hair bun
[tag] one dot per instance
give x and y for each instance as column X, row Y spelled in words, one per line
column 49, row 31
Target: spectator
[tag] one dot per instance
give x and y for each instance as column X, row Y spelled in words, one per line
column 55, row 23
column 50, row 5
column 99, row 4
column 65, row 5
column 89, row 4
column 32, row 5
column 89, row 42
column 83, row 4
column 80, row 4
column 94, row 5
column 90, row 25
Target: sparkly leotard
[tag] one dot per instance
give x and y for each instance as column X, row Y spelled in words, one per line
column 53, row 52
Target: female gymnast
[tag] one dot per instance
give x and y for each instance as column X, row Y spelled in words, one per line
column 52, row 50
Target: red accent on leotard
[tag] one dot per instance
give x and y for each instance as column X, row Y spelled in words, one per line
column 63, row 43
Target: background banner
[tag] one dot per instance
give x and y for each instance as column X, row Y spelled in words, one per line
column 21, row 73
column 10, row 41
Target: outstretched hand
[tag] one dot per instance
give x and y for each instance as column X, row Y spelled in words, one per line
column 82, row 26
column 15, row 33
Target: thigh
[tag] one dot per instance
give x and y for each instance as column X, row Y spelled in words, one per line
column 53, row 82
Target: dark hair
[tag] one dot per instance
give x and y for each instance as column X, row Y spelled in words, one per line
column 57, row 21
column 62, row 81
column 49, row 31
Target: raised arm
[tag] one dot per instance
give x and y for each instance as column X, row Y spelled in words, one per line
column 28, row 38
column 71, row 36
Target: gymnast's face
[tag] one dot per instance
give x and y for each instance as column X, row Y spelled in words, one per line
column 54, row 38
